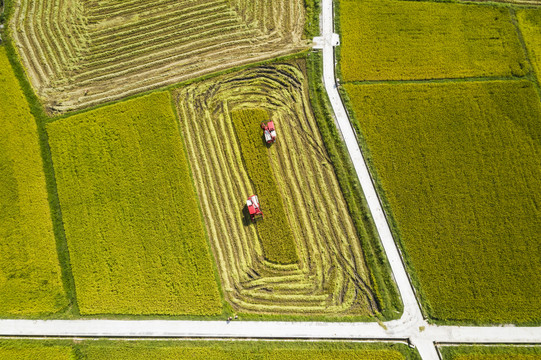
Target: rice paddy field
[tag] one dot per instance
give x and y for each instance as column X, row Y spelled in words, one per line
column 529, row 21
column 411, row 40
column 130, row 212
column 491, row 352
column 324, row 273
column 30, row 275
column 445, row 102
column 207, row 350
column 82, row 53
column 458, row 164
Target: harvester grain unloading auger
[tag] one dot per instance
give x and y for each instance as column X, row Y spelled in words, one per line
column 269, row 132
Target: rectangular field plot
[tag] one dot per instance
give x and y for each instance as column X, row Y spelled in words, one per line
column 330, row 276
column 491, row 352
column 530, row 25
column 84, row 52
column 32, row 350
column 235, row 350
column 403, row 40
column 134, row 231
column 30, row 275
column 459, row 167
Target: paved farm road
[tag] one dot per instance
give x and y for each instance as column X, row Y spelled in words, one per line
column 411, row 326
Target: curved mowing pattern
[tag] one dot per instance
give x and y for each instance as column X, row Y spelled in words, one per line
column 80, row 53
column 331, row 276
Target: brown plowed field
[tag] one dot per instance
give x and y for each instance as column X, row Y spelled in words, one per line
column 331, row 276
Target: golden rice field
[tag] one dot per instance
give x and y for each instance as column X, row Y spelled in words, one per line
column 30, row 275
column 131, row 217
column 81, row 53
column 491, row 352
column 407, row 40
column 330, row 276
column 200, row 350
column 529, row 21
column 458, row 165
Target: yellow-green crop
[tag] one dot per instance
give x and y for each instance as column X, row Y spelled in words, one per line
column 274, row 231
column 32, row 350
column 402, row 40
column 30, row 276
column 132, row 222
column 530, row 24
column 229, row 350
column 458, row 164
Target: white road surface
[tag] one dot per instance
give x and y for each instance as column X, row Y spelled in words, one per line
column 412, row 326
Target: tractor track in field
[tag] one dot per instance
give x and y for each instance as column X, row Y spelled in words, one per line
column 331, row 276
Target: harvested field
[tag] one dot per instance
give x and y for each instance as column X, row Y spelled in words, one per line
column 409, row 40
column 30, row 275
column 458, row 165
column 529, row 21
column 491, row 352
column 330, row 276
column 132, row 222
column 81, row 53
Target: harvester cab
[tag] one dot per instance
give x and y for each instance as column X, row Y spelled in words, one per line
column 254, row 208
column 269, row 131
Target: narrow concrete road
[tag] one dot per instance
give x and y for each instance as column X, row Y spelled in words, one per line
column 411, row 326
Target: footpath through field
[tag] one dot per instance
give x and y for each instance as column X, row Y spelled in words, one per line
column 411, row 326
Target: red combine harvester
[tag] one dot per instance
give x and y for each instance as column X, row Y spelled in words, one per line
column 254, row 208
column 270, row 132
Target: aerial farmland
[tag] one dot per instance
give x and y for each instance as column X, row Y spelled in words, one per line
column 327, row 170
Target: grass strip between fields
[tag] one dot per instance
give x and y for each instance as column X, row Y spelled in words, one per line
column 132, row 222
column 30, row 275
column 274, row 230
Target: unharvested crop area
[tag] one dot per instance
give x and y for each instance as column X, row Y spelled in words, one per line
column 330, row 276
column 79, row 53
column 530, row 24
column 278, row 244
column 491, row 352
column 458, row 164
column 30, row 275
column 405, row 40
column 132, row 223
column 205, row 350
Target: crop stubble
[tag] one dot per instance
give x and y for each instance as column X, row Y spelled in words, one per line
column 80, row 53
column 331, row 276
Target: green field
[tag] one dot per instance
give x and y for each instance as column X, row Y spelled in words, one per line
column 274, row 231
column 32, row 350
column 403, row 40
column 204, row 350
column 131, row 218
column 530, row 25
column 30, row 275
column 491, row 352
column 458, row 165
